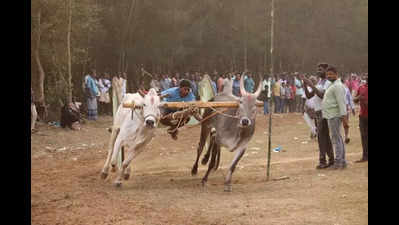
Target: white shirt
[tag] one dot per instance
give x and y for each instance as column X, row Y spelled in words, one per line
column 310, row 102
column 268, row 83
column 322, row 85
column 104, row 85
column 123, row 87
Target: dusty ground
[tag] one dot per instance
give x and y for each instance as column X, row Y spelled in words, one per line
column 67, row 189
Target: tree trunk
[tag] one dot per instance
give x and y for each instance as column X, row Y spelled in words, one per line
column 69, row 89
column 40, row 93
column 265, row 58
column 245, row 43
column 125, row 37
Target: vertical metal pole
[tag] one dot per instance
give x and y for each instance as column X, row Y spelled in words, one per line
column 265, row 58
column 271, row 39
column 270, row 105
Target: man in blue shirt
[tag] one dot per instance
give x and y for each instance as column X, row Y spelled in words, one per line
column 236, row 85
column 182, row 93
column 249, row 83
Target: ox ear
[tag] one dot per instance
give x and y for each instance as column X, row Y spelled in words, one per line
column 163, row 96
column 142, row 94
column 152, row 91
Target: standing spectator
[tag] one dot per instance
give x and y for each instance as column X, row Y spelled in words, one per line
column 303, row 98
column 354, row 83
column 266, row 93
column 323, row 133
column 363, row 79
column 194, row 86
column 288, row 97
column 309, row 114
column 33, row 113
column 214, row 87
column 293, row 91
column 175, row 80
column 249, row 83
column 155, row 83
column 92, row 94
column 220, row 83
column 276, row 95
column 298, row 94
column 283, row 97
column 104, row 84
column 350, row 107
column 334, row 110
column 165, row 82
column 362, row 97
column 236, row 85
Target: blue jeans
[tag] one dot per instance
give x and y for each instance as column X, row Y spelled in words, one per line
column 282, row 105
column 265, row 107
column 277, row 104
column 334, row 125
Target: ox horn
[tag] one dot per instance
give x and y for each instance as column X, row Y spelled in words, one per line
column 257, row 92
column 242, row 87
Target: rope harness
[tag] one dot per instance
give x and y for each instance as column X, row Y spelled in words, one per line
column 194, row 111
column 185, row 112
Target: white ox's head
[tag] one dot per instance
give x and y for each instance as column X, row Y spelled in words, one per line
column 151, row 112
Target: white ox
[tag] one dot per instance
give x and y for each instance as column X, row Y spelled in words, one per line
column 132, row 130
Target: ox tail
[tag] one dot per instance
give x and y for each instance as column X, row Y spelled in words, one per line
column 213, row 148
column 217, row 149
column 213, row 151
column 209, row 146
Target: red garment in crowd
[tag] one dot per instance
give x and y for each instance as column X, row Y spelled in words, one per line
column 293, row 91
column 354, row 85
column 363, row 92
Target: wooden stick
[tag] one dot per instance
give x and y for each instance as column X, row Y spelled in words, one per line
column 199, row 104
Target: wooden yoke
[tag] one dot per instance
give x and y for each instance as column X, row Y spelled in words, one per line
column 198, row 104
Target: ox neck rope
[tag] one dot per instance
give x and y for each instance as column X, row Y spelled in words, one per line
column 142, row 116
column 224, row 114
column 134, row 111
column 178, row 124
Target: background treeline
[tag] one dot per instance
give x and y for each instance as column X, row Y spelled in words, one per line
column 68, row 37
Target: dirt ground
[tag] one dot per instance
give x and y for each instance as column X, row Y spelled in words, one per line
column 66, row 187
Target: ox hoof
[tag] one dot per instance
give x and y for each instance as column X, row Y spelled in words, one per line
column 203, row 182
column 204, row 160
column 126, row 176
column 194, row 171
column 104, row 175
column 118, row 184
column 228, row 188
